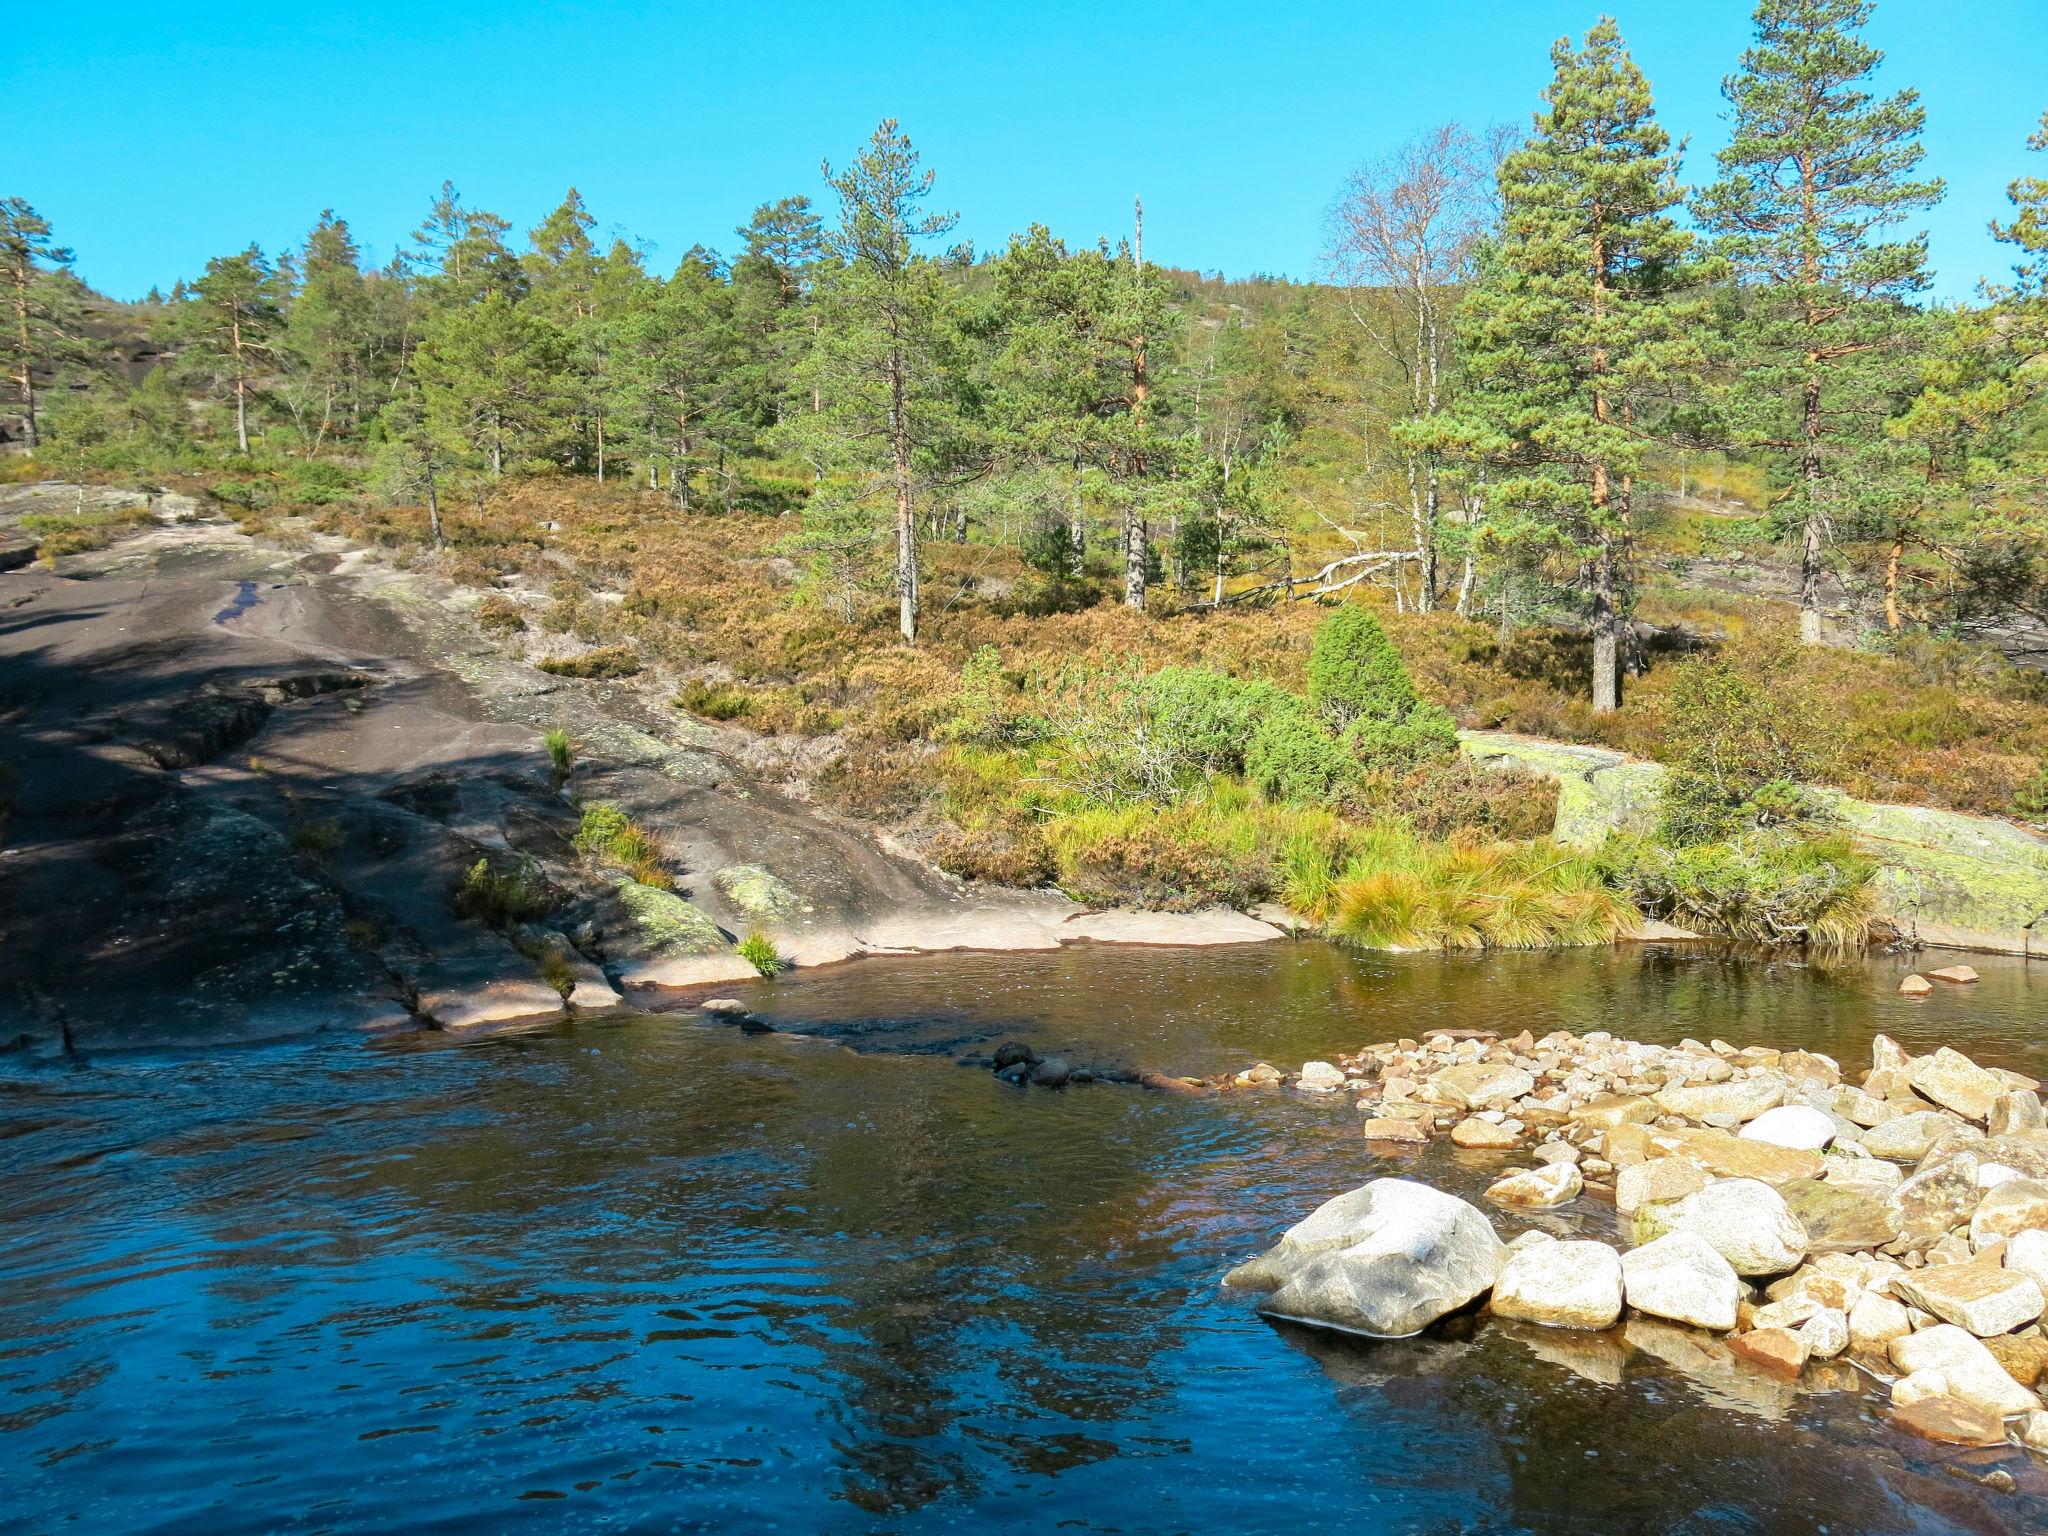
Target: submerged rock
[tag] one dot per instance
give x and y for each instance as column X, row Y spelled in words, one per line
column 1967, row 1370
column 1385, row 1260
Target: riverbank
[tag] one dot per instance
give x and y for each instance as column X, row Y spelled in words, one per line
column 1748, row 1209
column 249, row 776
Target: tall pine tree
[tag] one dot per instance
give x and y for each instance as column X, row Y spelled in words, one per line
column 1816, row 178
column 43, row 315
column 1573, row 324
column 880, row 365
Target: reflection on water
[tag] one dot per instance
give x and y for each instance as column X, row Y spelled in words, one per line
column 657, row 1274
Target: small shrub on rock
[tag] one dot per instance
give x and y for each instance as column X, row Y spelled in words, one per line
column 607, row 661
column 500, row 615
column 609, row 835
column 759, row 951
column 501, row 898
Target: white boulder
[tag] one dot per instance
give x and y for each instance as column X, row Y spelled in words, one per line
column 1572, row 1284
column 1798, row 1126
column 1386, row 1260
column 1683, row 1277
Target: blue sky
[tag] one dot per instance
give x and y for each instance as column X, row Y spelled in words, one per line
column 158, row 135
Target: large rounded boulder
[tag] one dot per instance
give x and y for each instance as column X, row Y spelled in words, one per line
column 1385, row 1260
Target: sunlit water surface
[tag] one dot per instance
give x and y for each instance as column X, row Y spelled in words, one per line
column 656, row 1274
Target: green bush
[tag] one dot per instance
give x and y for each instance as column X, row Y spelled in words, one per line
column 609, row 835
column 561, row 756
column 1355, row 673
column 1293, row 757
column 1743, row 732
column 2030, row 800
column 1425, row 734
column 712, row 701
column 318, row 840
column 1770, row 886
column 1207, row 719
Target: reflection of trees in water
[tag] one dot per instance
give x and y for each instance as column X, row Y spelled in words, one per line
column 974, row 1272
column 1556, row 1430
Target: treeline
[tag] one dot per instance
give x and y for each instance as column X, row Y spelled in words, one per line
column 1520, row 336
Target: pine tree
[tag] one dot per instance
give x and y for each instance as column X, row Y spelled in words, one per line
column 459, row 255
column 683, row 376
column 43, row 314
column 881, row 362
column 771, row 283
column 491, row 383
column 330, row 339
column 227, row 329
column 601, row 345
column 1573, row 321
column 1816, row 177
column 1075, row 333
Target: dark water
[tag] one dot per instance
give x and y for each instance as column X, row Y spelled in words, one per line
column 653, row 1274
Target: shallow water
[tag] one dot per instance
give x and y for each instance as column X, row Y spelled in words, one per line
column 655, row 1274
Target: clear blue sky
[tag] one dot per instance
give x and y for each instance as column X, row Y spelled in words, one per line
column 154, row 136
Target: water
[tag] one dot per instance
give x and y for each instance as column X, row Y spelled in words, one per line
column 654, row 1274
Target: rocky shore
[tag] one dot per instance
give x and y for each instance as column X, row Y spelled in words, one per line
column 1749, row 1210
column 245, row 777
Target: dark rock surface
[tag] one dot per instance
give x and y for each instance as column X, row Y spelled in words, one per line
column 241, row 780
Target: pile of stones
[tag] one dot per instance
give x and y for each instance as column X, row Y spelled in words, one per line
column 1898, row 1223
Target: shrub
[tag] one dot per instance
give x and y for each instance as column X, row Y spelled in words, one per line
column 1355, row 673
column 609, row 835
column 999, row 851
column 1293, row 757
column 713, row 701
column 2030, row 800
column 561, row 756
column 501, row 898
column 318, row 840
column 1207, row 719
column 1173, row 860
column 499, row 615
column 77, row 533
column 607, row 661
column 1424, row 733
column 1743, row 732
column 1436, row 799
column 759, row 951
column 1766, row 886
column 985, row 706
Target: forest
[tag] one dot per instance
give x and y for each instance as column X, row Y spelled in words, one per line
column 1168, row 588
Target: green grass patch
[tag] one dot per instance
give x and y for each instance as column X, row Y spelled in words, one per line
column 608, row 835
column 759, row 951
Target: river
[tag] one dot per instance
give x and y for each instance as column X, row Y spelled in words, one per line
column 652, row 1273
